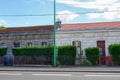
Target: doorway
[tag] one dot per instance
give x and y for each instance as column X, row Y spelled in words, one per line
column 102, row 58
column 78, row 52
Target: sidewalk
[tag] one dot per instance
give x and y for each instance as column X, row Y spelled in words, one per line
column 49, row 68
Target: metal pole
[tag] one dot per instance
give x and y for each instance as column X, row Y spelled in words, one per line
column 54, row 33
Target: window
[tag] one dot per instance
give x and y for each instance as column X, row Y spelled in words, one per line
column 3, row 45
column 77, row 43
column 44, row 43
column 73, row 43
column 78, row 51
column 29, row 43
column 16, row 45
column 101, row 45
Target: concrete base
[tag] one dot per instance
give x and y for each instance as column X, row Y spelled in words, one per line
column 77, row 62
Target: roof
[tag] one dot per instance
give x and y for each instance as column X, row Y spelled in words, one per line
column 24, row 29
column 97, row 25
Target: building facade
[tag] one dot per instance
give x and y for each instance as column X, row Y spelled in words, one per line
column 90, row 35
column 83, row 35
column 27, row 36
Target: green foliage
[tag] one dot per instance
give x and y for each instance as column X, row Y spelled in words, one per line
column 29, row 51
column 92, row 55
column 2, row 27
column 67, row 55
column 3, row 51
column 114, row 50
column 85, row 63
column 33, row 51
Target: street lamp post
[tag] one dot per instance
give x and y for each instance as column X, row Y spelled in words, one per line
column 54, row 33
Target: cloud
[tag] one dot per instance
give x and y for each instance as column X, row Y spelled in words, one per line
column 92, row 4
column 106, row 15
column 66, row 15
column 3, row 22
column 97, row 5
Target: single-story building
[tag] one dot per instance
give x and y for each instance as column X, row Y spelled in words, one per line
column 83, row 35
column 27, row 36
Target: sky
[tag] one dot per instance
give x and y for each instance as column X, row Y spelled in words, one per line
column 68, row 11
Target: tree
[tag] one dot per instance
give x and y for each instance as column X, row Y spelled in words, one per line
column 2, row 27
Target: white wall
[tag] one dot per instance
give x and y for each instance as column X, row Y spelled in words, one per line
column 88, row 38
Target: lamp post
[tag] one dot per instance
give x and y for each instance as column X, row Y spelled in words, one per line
column 54, row 33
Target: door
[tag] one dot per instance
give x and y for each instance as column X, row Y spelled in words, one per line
column 102, row 58
column 78, row 52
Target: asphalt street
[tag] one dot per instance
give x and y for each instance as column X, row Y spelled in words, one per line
column 18, row 75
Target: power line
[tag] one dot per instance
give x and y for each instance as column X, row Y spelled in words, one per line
column 27, row 15
column 99, row 12
column 20, row 15
column 110, row 4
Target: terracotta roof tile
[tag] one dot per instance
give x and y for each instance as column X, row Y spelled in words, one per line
column 24, row 29
column 91, row 25
column 64, row 27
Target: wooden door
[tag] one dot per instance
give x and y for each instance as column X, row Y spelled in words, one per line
column 101, row 45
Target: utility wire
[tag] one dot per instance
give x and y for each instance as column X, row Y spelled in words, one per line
column 19, row 15
column 99, row 12
column 110, row 4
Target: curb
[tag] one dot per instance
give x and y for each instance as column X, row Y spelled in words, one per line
column 61, row 71
column 49, row 68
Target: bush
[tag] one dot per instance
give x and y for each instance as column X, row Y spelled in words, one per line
column 85, row 63
column 3, row 51
column 45, row 54
column 33, row 51
column 92, row 55
column 114, row 50
column 67, row 55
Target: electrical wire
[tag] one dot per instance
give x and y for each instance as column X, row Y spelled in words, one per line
column 57, row 14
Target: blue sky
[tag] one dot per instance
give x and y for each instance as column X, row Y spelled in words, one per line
column 67, row 11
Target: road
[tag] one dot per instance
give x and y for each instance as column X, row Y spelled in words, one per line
column 17, row 75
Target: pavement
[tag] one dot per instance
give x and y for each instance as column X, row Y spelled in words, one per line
column 49, row 68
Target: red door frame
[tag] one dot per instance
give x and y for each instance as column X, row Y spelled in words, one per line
column 102, row 58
